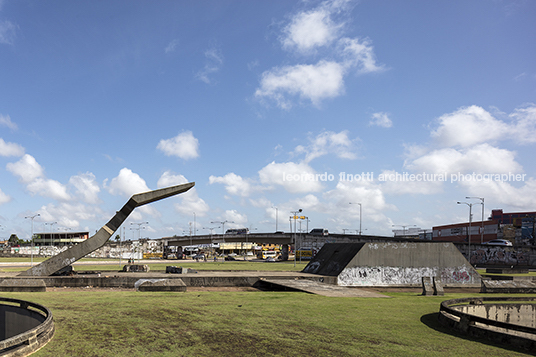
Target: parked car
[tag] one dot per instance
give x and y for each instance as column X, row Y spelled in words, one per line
column 502, row 242
column 199, row 257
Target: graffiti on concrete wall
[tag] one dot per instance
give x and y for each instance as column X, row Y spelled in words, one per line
column 499, row 255
column 384, row 276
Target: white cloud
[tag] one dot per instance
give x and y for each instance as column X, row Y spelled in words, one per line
column 312, row 82
column 127, row 183
column 482, row 158
column 310, row 29
column 523, row 128
column 381, row 119
column 7, row 32
column 359, row 54
column 184, row 146
column 4, row 198
column 87, row 187
column 425, row 184
column 70, row 214
column 32, row 175
column 27, row 169
column 469, row 126
column 236, row 220
column 373, row 205
column 295, row 178
column 169, row 179
column 214, row 61
column 190, row 200
column 234, row 184
column 10, row 149
column 328, row 142
column 5, row 120
column 48, row 188
column 504, row 192
column 307, row 31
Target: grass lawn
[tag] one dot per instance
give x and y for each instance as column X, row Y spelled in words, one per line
column 250, row 323
column 159, row 265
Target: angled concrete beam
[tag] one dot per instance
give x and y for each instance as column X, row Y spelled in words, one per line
column 76, row 252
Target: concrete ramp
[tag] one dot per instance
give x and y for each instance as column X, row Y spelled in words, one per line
column 393, row 264
column 315, row 287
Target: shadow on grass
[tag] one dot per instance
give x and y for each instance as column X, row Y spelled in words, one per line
column 432, row 321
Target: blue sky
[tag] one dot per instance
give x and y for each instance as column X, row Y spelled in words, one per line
column 254, row 101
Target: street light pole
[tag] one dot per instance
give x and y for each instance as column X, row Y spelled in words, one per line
column 275, row 217
column 295, row 216
column 31, row 238
column 482, row 231
column 470, row 220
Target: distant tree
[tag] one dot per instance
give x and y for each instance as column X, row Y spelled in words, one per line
column 14, row 240
column 117, row 238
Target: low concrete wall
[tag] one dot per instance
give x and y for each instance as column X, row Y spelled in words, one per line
column 508, row 320
column 25, row 328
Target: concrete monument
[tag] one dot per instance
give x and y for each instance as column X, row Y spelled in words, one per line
column 80, row 250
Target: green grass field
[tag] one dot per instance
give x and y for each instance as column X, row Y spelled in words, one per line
column 159, row 265
column 97, row 322
column 250, row 323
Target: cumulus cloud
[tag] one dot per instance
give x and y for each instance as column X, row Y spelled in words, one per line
column 10, row 149
column 373, row 205
column 381, row 119
column 294, row 177
column 466, row 142
column 69, row 214
column 306, row 32
column 32, row 175
column 189, row 200
column 468, row 126
column 359, row 54
column 235, row 219
column 184, row 146
column 234, row 184
column 87, row 187
column 328, row 142
column 127, row 183
column 5, row 120
column 523, row 126
column 310, row 29
column 27, row 169
column 482, row 158
column 313, row 82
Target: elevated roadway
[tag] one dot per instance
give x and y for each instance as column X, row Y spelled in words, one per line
column 276, row 238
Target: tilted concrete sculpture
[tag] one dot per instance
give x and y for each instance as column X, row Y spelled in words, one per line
column 76, row 252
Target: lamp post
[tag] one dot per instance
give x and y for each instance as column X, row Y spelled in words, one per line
column 295, row 216
column 360, row 215
column 482, row 229
column 470, row 220
column 32, row 245
column 275, row 217
column 52, row 233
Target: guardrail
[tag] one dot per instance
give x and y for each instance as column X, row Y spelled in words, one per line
column 34, row 338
